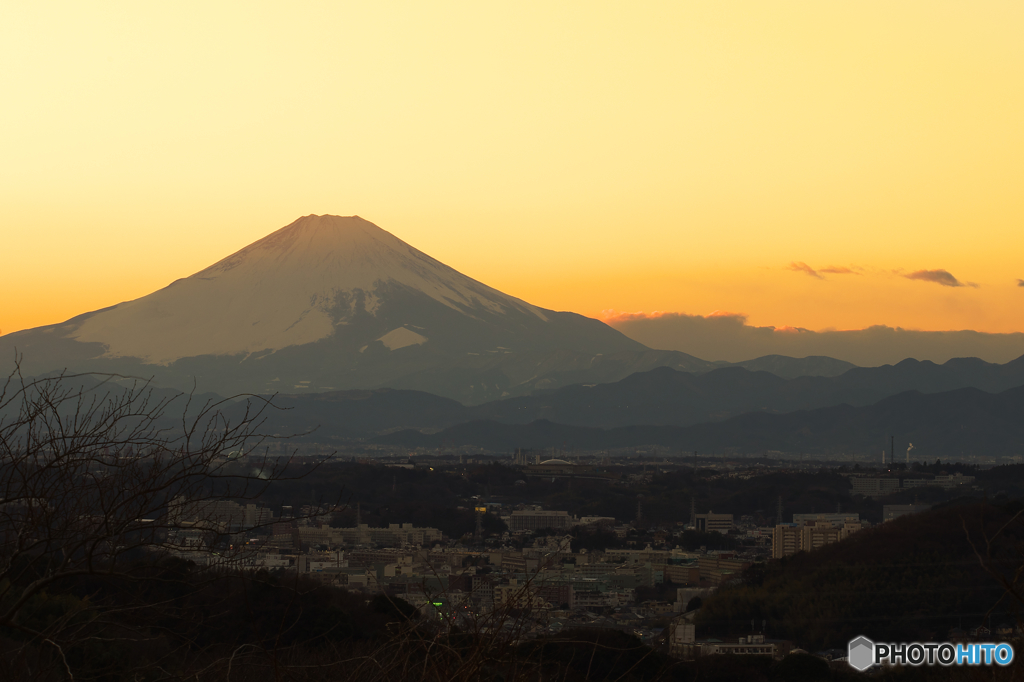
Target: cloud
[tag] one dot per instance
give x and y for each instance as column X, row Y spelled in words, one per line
column 614, row 317
column 800, row 266
column 727, row 336
column 726, row 313
column 611, row 315
column 941, row 277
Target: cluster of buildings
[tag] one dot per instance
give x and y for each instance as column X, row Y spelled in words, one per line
column 639, row 589
column 539, row 574
column 683, row 642
column 811, row 531
column 549, row 574
column 285, row 534
column 880, row 486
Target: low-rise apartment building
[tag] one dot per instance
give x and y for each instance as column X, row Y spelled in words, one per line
column 874, row 486
column 521, row 520
column 713, row 523
column 716, row 569
column 791, row 538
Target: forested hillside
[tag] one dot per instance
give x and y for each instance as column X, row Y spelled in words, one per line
column 911, row 579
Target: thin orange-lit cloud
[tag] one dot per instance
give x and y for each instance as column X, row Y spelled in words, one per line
column 619, row 316
column 940, row 277
column 799, row 266
column 614, row 317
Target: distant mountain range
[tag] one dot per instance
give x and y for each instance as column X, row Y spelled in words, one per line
column 659, row 397
column 945, row 426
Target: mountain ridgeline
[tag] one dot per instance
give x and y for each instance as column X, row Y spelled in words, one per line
column 953, row 409
column 947, row 425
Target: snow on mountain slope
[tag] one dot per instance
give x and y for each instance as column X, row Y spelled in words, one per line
column 402, row 337
column 293, row 287
column 330, row 303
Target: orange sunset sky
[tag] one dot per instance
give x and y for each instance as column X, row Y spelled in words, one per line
column 791, row 161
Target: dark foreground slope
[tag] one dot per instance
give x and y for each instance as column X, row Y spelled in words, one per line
column 912, row 579
column 169, row 621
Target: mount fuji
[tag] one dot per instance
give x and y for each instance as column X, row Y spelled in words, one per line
column 333, row 303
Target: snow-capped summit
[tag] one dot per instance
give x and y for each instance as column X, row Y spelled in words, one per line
column 349, row 253
column 293, row 287
column 325, row 303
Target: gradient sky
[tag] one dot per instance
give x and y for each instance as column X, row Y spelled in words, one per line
column 586, row 156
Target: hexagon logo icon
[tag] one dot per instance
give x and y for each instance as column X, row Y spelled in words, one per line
column 861, row 653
